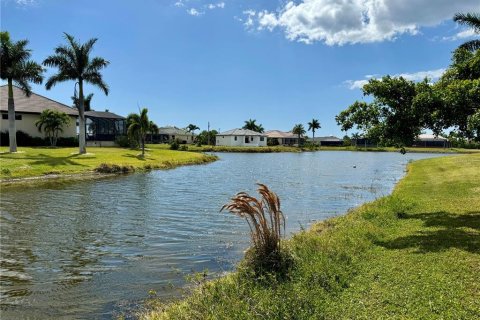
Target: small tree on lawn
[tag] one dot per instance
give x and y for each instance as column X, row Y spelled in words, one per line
column 52, row 122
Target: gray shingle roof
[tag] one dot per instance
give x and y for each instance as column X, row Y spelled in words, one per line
column 280, row 134
column 33, row 104
column 241, row 132
column 171, row 130
column 103, row 114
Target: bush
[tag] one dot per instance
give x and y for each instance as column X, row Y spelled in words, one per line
column 183, row 147
column 174, row 145
column 67, row 142
column 114, row 168
column 267, row 223
column 23, row 140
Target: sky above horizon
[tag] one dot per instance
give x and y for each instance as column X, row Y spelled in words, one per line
column 224, row 62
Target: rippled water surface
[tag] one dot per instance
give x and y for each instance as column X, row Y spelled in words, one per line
column 86, row 250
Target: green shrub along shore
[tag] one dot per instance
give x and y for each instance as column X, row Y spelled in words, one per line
column 412, row 255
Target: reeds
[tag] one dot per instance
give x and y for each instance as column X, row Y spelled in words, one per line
column 267, row 225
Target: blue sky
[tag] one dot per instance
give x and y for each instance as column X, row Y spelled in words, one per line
column 224, row 62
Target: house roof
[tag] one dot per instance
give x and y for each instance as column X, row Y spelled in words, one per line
column 103, row 114
column 280, row 134
column 430, row 137
column 172, row 130
column 328, row 138
column 241, row 132
column 33, row 104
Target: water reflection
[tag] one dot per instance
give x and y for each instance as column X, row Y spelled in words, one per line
column 81, row 250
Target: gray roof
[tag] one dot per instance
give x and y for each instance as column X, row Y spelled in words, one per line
column 281, row 134
column 103, row 114
column 328, row 138
column 241, row 132
column 33, row 104
column 172, row 130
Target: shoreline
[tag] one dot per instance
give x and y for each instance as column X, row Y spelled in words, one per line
column 361, row 236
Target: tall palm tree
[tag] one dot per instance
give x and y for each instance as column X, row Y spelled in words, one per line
column 312, row 126
column 139, row 127
column 251, row 125
column 473, row 21
column 87, row 102
column 299, row 130
column 74, row 63
column 191, row 128
column 17, row 68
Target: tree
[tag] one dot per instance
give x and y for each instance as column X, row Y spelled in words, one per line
column 17, row 68
column 299, row 130
column 312, row 126
column 87, row 101
column 473, row 21
column 153, row 128
column 74, row 63
column 51, row 122
column 205, row 136
column 392, row 118
column 139, row 127
column 251, row 125
column 191, row 128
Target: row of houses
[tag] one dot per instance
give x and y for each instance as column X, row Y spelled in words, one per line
column 104, row 127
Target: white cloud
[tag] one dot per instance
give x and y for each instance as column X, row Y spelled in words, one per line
column 194, row 12
column 250, row 15
column 220, row 5
column 416, row 76
column 179, row 3
column 467, row 33
column 339, row 22
column 26, row 3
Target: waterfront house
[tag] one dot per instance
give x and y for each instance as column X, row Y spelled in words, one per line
column 430, row 140
column 277, row 137
column 171, row 133
column 28, row 110
column 241, row 138
column 103, row 128
column 330, row 141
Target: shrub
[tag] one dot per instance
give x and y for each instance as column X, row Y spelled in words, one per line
column 174, row 145
column 267, row 223
column 113, row 168
column 67, row 142
column 183, row 147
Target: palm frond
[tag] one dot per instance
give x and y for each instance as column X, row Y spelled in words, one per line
column 96, row 79
column 470, row 19
column 471, row 45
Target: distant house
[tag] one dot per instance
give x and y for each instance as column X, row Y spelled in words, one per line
column 241, row 138
column 430, row 140
column 170, row 133
column 28, row 110
column 103, row 128
column 282, row 138
column 331, row 141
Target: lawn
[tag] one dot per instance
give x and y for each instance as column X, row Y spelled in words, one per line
column 32, row 162
column 412, row 255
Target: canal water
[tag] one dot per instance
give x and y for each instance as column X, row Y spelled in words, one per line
column 91, row 249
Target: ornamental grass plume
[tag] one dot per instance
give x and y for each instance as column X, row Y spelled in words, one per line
column 267, row 225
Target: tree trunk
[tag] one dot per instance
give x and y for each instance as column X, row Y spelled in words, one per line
column 81, row 120
column 12, row 130
column 143, row 146
column 313, row 138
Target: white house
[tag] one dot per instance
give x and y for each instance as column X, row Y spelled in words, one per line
column 241, row 138
column 28, row 110
column 430, row 140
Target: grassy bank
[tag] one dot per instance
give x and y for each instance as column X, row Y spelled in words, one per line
column 412, row 255
column 40, row 162
column 272, row 149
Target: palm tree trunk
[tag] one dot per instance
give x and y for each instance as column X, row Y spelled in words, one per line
column 12, row 130
column 313, row 138
column 143, row 146
column 81, row 120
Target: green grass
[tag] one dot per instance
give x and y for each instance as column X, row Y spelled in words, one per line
column 412, row 255
column 34, row 162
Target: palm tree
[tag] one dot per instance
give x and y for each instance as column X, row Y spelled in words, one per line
column 299, row 130
column 17, row 68
column 74, row 63
column 153, row 128
column 139, row 126
column 52, row 123
column 312, row 126
column 473, row 21
column 191, row 128
column 87, row 102
column 251, row 125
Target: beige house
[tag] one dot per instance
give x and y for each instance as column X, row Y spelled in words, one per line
column 282, row 138
column 28, row 109
column 170, row 133
column 241, row 138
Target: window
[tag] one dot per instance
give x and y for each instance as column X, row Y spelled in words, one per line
column 246, row 139
column 262, row 139
column 235, row 138
column 17, row 116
